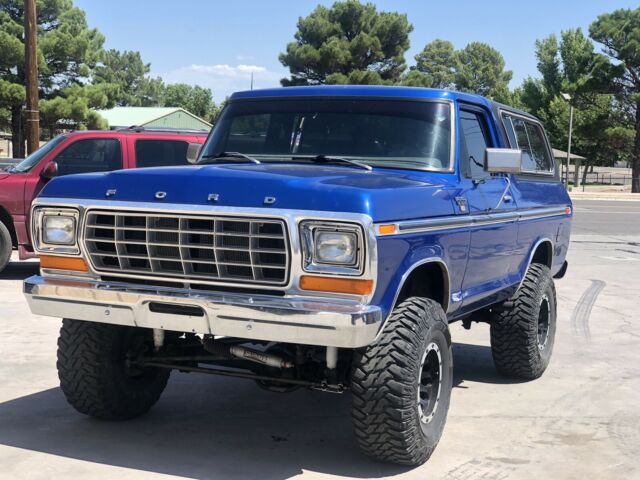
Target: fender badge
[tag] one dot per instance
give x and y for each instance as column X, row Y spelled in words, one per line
column 462, row 204
column 269, row 200
column 160, row 195
column 110, row 193
column 213, row 197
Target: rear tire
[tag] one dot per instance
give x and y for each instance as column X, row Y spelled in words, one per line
column 523, row 328
column 401, row 385
column 95, row 375
column 6, row 246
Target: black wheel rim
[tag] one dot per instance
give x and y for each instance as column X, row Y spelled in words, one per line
column 429, row 383
column 544, row 319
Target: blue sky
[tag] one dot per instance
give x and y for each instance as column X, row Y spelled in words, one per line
column 218, row 44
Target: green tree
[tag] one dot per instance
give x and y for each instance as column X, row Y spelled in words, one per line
column 67, row 51
column 619, row 34
column 75, row 107
column 480, row 69
column 126, row 81
column 347, row 43
column 571, row 65
column 435, row 66
column 477, row 68
column 195, row 99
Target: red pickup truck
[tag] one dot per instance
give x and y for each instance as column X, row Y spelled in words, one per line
column 80, row 152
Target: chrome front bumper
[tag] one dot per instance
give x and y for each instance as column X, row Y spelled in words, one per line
column 311, row 321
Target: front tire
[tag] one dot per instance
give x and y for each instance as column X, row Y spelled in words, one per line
column 401, row 385
column 523, row 328
column 6, row 246
column 96, row 375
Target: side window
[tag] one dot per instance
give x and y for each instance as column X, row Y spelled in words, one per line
column 90, row 155
column 539, row 150
column 508, row 126
column 161, row 153
column 529, row 137
column 475, row 136
column 522, row 139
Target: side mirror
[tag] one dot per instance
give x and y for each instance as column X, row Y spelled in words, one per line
column 503, row 160
column 49, row 171
column 193, row 152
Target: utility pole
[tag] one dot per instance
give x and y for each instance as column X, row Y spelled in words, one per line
column 31, row 75
column 251, row 80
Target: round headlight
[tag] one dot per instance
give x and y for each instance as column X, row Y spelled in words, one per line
column 338, row 248
column 59, row 230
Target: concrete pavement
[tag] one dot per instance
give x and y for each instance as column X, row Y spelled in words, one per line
column 580, row 420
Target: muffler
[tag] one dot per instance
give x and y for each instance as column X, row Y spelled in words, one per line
column 244, row 353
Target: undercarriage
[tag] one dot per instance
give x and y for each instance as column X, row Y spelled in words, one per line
column 280, row 367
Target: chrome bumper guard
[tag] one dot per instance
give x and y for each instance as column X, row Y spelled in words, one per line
column 311, row 321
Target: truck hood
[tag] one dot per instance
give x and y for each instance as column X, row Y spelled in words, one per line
column 383, row 194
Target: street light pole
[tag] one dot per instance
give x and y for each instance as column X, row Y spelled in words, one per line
column 31, row 67
column 566, row 180
column 567, row 98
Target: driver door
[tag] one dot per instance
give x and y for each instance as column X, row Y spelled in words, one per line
column 493, row 241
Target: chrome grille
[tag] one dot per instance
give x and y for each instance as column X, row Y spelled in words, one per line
column 191, row 247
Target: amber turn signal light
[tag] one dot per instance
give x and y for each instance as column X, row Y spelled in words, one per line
column 75, row 264
column 389, row 229
column 355, row 286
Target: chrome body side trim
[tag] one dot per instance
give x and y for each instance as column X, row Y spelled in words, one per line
column 452, row 222
column 310, row 321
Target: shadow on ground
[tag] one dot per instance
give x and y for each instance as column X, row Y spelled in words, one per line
column 209, row 427
column 19, row 270
column 475, row 363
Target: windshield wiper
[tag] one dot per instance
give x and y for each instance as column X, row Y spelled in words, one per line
column 222, row 155
column 329, row 159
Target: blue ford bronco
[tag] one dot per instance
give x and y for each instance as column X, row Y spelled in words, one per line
column 326, row 238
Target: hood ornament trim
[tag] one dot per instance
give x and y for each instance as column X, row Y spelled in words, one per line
column 269, row 200
column 160, row 195
column 213, row 197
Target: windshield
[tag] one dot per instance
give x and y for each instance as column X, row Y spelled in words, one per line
column 381, row 133
column 32, row 160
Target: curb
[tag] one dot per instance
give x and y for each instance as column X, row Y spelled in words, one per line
column 619, row 197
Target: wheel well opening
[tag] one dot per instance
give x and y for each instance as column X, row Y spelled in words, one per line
column 543, row 254
column 5, row 218
column 429, row 280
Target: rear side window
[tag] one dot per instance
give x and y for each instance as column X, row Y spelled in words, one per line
column 90, row 155
column 529, row 137
column 161, row 153
column 475, row 137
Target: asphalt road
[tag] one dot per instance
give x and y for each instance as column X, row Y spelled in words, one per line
column 606, row 217
column 580, row 420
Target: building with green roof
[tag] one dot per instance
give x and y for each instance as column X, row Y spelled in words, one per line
column 158, row 117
